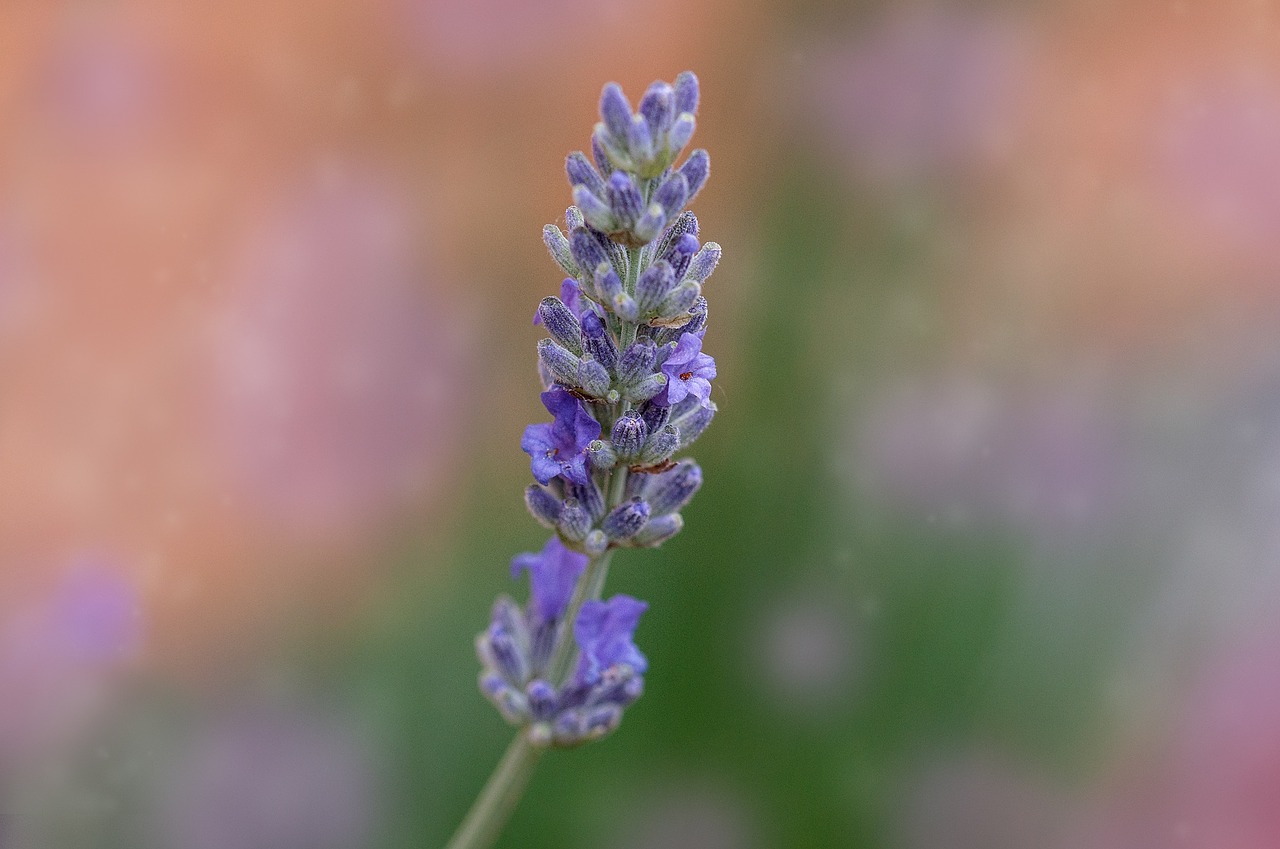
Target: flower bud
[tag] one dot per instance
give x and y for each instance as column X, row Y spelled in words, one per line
column 626, row 520
column 695, row 170
column 693, row 423
column 558, row 247
column 639, row 141
column 685, row 91
column 586, row 249
column 654, row 284
column 646, row 389
column 600, row 158
column 674, row 308
column 655, row 415
column 593, row 377
column 574, row 522
column 681, row 132
column 686, row 222
column 615, row 110
column 581, row 173
column 704, row 262
column 513, row 706
column 660, row 446
column 598, row 342
column 590, row 497
column 601, row 456
column 624, row 198
column 543, row 505
column 559, row 362
column 672, row 490
column 636, row 362
column 597, row 212
column 505, row 654
column 658, row 107
column 659, row 530
column 561, row 324
column 679, row 252
column 614, row 150
column 649, row 227
column 628, row 436
column 542, row 699
column 672, row 194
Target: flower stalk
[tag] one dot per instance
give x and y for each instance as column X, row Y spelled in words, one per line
column 627, row 386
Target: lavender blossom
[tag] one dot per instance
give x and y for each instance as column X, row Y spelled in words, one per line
column 688, row 371
column 559, row 448
column 628, row 386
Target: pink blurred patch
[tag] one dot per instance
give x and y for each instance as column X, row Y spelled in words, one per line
column 980, row 801
column 340, row 380
column 270, row 778
column 1217, row 152
column 492, row 36
column 923, row 94
column 1228, row 750
column 1218, row 782
column 967, row 451
column 809, row 653
column 58, row 654
column 103, row 86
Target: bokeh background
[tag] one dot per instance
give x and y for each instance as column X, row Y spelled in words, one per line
column 988, row 553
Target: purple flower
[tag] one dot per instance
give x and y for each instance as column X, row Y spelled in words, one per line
column 688, row 371
column 553, row 572
column 604, row 632
column 559, row 448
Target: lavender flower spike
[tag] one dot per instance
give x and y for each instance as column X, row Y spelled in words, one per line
column 628, row 387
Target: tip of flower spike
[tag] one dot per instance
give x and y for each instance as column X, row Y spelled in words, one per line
column 657, row 107
column 615, row 110
column 686, row 91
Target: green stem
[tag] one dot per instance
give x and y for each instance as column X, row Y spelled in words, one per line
column 489, row 813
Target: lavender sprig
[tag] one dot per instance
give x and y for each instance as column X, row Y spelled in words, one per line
column 627, row 386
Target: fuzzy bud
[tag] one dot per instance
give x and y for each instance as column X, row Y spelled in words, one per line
column 704, row 262
column 543, row 505
column 659, row 530
column 561, row 324
column 561, row 364
column 558, row 247
column 626, row 520
column 636, row 363
column 695, row 170
column 655, row 283
column 672, row 490
column 593, row 377
column 601, row 456
column 574, row 522
column 628, row 436
column 660, row 446
column 655, row 415
column 646, row 389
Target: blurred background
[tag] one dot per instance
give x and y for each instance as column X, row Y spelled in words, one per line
column 988, row 553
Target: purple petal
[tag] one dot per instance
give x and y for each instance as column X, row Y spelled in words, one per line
column 604, row 631
column 553, row 573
